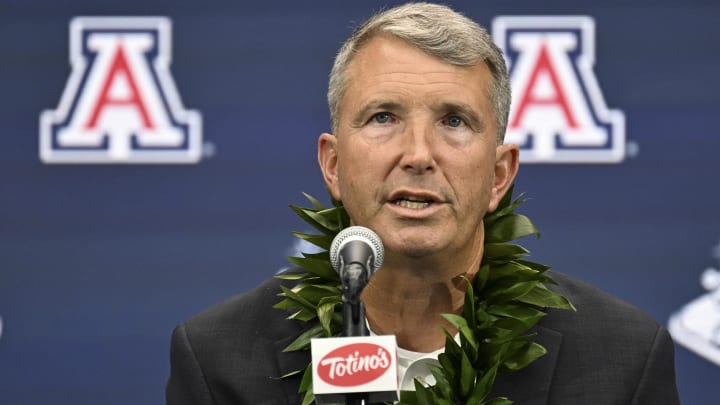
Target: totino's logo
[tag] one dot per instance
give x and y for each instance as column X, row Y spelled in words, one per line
column 558, row 112
column 354, row 364
column 120, row 104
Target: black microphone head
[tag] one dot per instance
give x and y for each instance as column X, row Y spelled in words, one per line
column 357, row 233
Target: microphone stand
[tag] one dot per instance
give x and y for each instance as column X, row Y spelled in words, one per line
column 355, row 313
column 355, row 278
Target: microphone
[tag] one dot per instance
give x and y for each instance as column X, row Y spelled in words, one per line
column 356, row 254
column 356, row 368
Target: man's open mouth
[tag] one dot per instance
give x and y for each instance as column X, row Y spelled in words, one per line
column 412, row 202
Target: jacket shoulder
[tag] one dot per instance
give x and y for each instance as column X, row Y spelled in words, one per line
column 597, row 309
column 232, row 352
column 247, row 314
column 611, row 351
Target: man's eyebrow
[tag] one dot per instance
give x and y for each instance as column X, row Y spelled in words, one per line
column 475, row 120
column 376, row 105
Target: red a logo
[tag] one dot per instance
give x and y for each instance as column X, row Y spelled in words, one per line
column 558, row 112
column 120, row 104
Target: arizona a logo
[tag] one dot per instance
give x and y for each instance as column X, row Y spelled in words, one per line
column 120, row 104
column 558, row 112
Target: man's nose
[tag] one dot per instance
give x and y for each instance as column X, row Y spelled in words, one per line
column 418, row 149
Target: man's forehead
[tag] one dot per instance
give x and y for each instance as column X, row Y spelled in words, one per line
column 387, row 54
column 389, row 68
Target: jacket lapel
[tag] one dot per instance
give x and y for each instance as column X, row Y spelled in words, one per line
column 531, row 385
column 289, row 362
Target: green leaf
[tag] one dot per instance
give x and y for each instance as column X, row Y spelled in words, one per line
column 513, row 272
column 328, row 218
column 305, row 215
column 483, row 386
column 542, row 297
column 306, row 381
column 468, row 311
column 507, row 251
column 456, row 320
column 302, row 342
column 285, row 304
column 408, row 398
column 511, row 227
column 467, row 376
column 322, row 241
column 443, row 401
column 314, row 201
column 504, row 206
column 308, row 398
column 441, row 382
column 499, row 401
column 515, row 327
column 300, row 300
column 529, row 352
column 527, row 315
column 535, row 266
column 449, row 368
column 462, row 326
column 320, row 268
column 513, row 291
column 325, row 315
column 431, row 394
column 482, row 276
column 342, row 216
column 291, row 276
column 306, row 386
column 482, row 317
column 335, row 298
column 451, row 346
column 313, row 293
column 292, row 373
column 423, row 395
column 303, row 315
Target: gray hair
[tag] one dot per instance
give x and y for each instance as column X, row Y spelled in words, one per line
column 438, row 31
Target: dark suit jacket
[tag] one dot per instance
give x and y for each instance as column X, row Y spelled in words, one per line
column 608, row 352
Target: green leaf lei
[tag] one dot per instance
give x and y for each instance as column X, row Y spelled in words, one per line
column 503, row 301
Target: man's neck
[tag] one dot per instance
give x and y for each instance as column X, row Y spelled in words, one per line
column 407, row 300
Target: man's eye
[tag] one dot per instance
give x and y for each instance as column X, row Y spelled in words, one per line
column 454, row 121
column 381, row 118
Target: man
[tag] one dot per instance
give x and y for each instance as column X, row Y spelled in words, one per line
column 419, row 99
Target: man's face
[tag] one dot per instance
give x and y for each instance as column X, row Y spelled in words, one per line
column 415, row 155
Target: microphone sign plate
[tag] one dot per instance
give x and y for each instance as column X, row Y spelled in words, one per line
column 354, row 364
column 363, row 364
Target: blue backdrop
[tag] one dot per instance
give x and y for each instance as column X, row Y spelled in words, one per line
column 99, row 262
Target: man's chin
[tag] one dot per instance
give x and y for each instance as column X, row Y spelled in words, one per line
column 415, row 240
column 414, row 249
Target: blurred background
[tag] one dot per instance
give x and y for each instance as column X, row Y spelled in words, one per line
column 98, row 263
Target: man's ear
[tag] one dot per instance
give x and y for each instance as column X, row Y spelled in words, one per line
column 327, row 158
column 506, row 168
